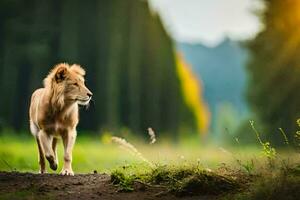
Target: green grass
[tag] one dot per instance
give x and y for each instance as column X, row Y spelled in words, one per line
column 19, row 152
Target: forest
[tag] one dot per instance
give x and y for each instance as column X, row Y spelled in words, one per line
column 129, row 58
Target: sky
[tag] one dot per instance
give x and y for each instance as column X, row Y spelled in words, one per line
column 208, row 21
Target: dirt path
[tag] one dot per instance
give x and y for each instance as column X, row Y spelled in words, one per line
column 14, row 185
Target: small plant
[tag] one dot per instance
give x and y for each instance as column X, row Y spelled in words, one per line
column 268, row 151
column 120, row 179
column 286, row 141
column 248, row 166
column 297, row 135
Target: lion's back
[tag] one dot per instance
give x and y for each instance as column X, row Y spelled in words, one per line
column 33, row 110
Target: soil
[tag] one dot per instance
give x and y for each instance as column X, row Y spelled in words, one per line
column 15, row 185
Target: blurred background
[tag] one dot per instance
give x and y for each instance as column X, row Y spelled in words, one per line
column 186, row 68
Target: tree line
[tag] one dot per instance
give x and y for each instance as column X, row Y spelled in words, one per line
column 128, row 56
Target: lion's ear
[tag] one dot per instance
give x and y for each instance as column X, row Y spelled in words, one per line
column 61, row 74
column 77, row 69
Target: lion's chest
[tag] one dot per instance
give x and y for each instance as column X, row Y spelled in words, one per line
column 58, row 123
column 58, row 126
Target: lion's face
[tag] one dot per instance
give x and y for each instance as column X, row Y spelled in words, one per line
column 75, row 90
column 69, row 80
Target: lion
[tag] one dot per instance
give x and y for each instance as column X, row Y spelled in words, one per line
column 54, row 113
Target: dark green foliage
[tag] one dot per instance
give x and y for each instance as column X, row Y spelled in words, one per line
column 275, row 68
column 124, row 48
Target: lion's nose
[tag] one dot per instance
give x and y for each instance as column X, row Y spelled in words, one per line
column 90, row 94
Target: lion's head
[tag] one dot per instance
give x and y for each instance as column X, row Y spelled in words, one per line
column 66, row 85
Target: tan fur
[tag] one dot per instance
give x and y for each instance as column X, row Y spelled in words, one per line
column 54, row 113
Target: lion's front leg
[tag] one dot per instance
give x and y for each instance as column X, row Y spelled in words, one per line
column 54, row 148
column 68, row 141
column 46, row 141
column 41, row 156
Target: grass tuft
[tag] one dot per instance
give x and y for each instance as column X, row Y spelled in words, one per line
column 124, row 182
column 181, row 180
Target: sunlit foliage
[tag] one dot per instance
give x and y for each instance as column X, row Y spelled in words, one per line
column 192, row 93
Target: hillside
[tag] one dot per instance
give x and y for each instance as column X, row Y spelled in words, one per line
column 222, row 71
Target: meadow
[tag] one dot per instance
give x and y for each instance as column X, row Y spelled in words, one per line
column 19, row 152
column 242, row 171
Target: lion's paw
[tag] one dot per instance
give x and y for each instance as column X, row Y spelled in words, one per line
column 43, row 171
column 67, row 172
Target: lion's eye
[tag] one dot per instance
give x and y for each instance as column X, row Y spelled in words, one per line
column 76, row 84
